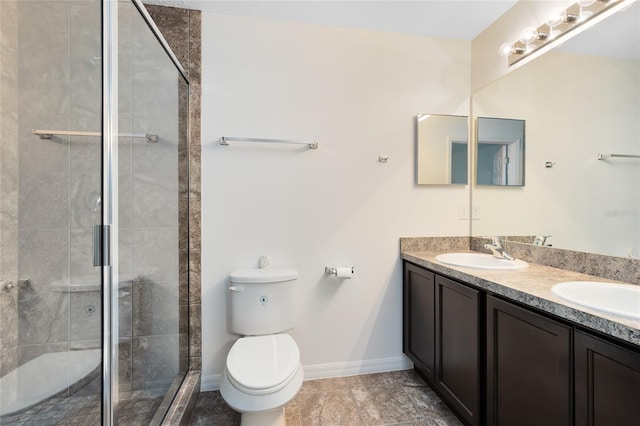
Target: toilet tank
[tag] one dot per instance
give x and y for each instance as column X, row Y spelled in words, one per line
column 262, row 300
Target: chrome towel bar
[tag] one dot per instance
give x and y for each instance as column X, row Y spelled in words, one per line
column 224, row 140
column 48, row 134
column 605, row 156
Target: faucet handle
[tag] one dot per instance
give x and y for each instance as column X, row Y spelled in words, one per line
column 541, row 240
column 496, row 242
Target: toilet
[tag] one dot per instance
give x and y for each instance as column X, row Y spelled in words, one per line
column 263, row 371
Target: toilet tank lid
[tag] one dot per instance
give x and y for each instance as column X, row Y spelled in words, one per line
column 263, row 275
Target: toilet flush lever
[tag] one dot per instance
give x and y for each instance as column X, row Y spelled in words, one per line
column 236, row 288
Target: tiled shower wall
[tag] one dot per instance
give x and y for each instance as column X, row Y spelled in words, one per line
column 182, row 30
column 58, row 87
column 8, row 187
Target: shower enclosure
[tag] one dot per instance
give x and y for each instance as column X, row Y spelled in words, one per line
column 93, row 230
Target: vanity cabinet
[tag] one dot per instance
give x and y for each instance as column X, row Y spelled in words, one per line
column 607, row 382
column 529, row 362
column 533, row 368
column 442, row 330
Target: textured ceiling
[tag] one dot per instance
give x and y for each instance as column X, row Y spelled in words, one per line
column 457, row 19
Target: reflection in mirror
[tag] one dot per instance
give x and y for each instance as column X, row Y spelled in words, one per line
column 500, row 152
column 578, row 102
column 442, row 149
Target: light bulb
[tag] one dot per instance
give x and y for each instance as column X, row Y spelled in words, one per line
column 558, row 16
column 528, row 35
column 506, row 49
column 584, row 14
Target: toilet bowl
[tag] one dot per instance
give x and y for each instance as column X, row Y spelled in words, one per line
column 262, row 374
column 263, row 371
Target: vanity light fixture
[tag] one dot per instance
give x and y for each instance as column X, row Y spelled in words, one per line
column 581, row 14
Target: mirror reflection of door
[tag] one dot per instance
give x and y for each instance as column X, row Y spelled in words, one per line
column 459, row 156
column 495, row 165
column 500, row 152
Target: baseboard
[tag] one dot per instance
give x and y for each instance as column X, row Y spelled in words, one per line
column 338, row 369
column 210, row 382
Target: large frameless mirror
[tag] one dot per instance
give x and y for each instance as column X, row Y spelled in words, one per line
column 442, row 149
column 580, row 101
column 500, row 152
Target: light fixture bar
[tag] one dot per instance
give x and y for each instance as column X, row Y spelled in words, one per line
column 554, row 31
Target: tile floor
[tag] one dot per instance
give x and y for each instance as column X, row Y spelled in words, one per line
column 394, row 398
column 137, row 409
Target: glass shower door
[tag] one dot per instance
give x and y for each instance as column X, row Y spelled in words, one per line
column 66, row 167
column 50, row 199
column 152, row 221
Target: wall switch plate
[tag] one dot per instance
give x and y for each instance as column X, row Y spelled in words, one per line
column 475, row 212
column 463, row 212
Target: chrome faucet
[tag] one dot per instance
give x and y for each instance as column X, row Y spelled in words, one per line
column 497, row 250
column 541, row 240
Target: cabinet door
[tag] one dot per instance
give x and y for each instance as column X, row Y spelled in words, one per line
column 458, row 326
column 528, row 367
column 607, row 383
column 419, row 318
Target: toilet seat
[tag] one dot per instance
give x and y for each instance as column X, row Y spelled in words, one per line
column 259, row 365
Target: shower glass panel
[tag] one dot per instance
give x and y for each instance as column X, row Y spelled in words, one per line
column 152, row 104
column 55, row 189
column 50, row 199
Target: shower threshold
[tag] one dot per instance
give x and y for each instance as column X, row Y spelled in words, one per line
column 51, row 374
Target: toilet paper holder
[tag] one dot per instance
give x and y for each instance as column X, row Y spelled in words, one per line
column 332, row 270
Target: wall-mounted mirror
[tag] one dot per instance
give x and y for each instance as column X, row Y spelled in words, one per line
column 499, row 151
column 442, row 149
column 579, row 100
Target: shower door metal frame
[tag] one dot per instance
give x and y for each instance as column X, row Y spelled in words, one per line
column 110, row 273
column 110, row 211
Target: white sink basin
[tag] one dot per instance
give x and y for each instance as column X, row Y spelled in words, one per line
column 481, row 261
column 619, row 299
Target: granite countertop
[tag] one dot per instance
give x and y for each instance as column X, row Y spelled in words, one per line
column 532, row 287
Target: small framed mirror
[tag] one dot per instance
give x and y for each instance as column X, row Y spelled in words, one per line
column 442, row 149
column 500, row 152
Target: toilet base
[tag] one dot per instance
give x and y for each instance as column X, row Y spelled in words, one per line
column 264, row 418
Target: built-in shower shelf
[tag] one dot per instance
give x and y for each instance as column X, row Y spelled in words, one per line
column 87, row 283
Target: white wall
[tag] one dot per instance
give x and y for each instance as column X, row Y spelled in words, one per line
column 357, row 93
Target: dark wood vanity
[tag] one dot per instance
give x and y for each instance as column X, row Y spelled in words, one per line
column 497, row 361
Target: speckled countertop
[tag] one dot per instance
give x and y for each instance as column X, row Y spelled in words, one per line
column 532, row 287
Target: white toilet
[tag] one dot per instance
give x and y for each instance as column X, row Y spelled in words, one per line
column 263, row 371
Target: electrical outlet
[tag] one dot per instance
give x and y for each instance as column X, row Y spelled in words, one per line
column 463, row 212
column 475, row 212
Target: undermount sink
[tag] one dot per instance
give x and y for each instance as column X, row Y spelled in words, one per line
column 619, row 299
column 481, row 261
